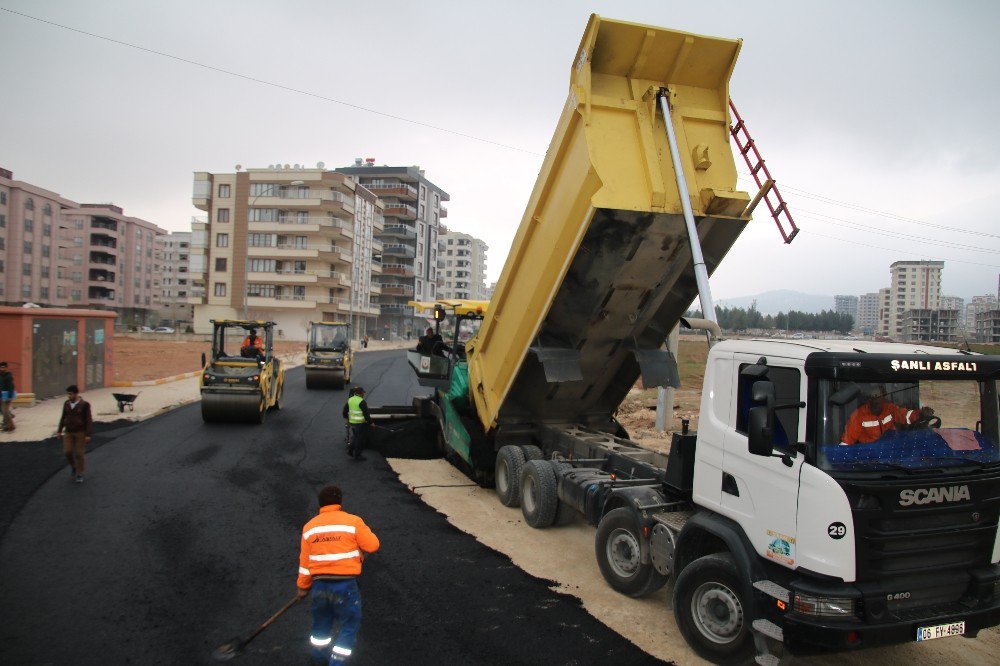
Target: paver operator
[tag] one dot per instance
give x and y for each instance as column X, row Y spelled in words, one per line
column 7, row 395
column 333, row 547
column 876, row 416
column 75, row 427
column 359, row 420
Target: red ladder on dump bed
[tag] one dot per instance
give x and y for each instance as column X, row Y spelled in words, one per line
column 754, row 160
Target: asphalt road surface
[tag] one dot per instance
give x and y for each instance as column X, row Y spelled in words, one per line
column 186, row 535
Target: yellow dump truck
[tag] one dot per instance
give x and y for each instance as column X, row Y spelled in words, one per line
column 775, row 535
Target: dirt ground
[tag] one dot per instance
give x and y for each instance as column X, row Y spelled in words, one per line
column 145, row 359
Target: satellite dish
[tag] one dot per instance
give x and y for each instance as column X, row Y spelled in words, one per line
column 239, row 167
column 320, row 165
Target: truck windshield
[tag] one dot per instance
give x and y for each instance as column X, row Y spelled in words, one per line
column 328, row 338
column 911, row 425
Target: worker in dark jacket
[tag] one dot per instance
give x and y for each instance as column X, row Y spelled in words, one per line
column 359, row 420
column 332, row 550
column 7, row 395
column 75, row 427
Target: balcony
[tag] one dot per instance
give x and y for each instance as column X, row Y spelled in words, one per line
column 101, row 275
column 283, row 251
column 442, row 212
column 339, row 253
column 377, row 246
column 396, row 209
column 385, row 188
column 103, row 223
column 399, row 231
column 396, row 289
column 395, row 309
column 102, row 258
column 103, row 240
column 299, row 198
column 401, row 270
column 343, row 304
column 375, row 289
column 283, row 301
column 100, row 294
column 399, row 251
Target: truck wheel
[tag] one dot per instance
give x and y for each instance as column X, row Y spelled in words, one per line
column 617, row 546
column 532, row 452
column 539, row 494
column 510, row 461
column 711, row 611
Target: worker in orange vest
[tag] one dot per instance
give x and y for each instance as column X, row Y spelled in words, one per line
column 876, row 416
column 333, row 547
column 252, row 346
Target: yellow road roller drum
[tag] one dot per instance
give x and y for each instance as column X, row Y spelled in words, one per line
column 243, row 378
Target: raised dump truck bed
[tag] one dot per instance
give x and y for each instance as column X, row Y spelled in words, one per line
column 601, row 269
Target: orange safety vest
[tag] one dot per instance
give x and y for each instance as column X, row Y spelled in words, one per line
column 332, row 544
column 864, row 427
column 257, row 342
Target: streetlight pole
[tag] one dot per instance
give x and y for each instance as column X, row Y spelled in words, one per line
column 246, row 262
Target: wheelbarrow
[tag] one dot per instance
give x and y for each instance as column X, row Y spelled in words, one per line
column 125, row 400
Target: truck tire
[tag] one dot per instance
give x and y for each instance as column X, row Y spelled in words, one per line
column 711, row 611
column 565, row 514
column 510, row 462
column 618, row 551
column 539, row 494
column 532, row 452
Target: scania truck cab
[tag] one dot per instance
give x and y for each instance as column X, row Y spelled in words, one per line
column 845, row 545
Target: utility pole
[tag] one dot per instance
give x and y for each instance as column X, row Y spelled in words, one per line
column 665, row 395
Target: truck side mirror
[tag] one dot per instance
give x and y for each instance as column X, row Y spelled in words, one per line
column 760, row 435
column 845, row 395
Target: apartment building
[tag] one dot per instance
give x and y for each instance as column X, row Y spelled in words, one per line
column 117, row 258
column 978, row 306
column 60, row 253
column 289, row 245
column 846, row 305
column 175, row 270
column 867, row 320
column 988, row 327
column 914, row 285
column 462, row 265
column 30, row 238
column 884, row 304
column 927, row 325
column 955, row 303
column 409, row 242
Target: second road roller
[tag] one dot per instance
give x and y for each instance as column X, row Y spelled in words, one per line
column 243, row 379
column 328, row 355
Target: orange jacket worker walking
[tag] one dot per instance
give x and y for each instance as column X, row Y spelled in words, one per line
column 333, row 547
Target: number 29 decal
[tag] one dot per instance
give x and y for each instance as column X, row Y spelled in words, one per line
column 836, row 530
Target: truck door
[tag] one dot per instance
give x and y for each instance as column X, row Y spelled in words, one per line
column 761, row 493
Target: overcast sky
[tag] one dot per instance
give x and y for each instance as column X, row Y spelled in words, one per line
column 878, row 120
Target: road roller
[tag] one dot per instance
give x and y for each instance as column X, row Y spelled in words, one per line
column 328, row 355
column 243, row 379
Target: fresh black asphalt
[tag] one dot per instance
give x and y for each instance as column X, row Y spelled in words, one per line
column 186, row 535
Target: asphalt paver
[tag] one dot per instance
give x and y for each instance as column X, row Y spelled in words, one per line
column 186, row 535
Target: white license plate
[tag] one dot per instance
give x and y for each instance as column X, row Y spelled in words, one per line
column 940, row 631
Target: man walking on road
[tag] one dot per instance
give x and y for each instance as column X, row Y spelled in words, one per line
column 330, row 560
column 7, row 395
column 360, row 421
column 75, row 427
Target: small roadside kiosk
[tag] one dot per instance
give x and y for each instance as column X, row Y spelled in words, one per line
column 47, row 349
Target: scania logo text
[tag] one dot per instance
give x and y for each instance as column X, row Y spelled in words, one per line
column 933, row 495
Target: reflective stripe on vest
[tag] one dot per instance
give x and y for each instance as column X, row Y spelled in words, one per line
column 354, row 413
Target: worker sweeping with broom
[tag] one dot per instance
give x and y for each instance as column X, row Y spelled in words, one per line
column 333, row 547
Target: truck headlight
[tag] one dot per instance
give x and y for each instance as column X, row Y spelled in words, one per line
column 823, row 606
column 311, row 359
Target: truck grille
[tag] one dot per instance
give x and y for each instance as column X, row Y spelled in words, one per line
column 958, row 539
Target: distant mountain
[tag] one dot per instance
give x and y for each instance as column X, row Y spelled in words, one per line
column 780, row 300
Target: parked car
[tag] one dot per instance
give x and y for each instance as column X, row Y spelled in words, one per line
column 163, row 329
column 145, row 329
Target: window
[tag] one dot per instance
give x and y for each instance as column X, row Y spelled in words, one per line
column 263, row 215
column 43, row 293
column 26, row 291
column 60, row 292
column 26, row 269
column 29, row 225
column 222, row 215
column 78, row 222
column 147, row 284
column 47, row 209
column 787, row 384
column 3, row 221
column 261, row 240
column 262, row 290
column 3, row 198
column 45, row 271
column 77, row 259
column 223, row 191
column 46, row 229
column 220, row 288
column 29, row 204
column 74, row 294
column 45, row 250
column 221, row 240
column 220, row 265
column 1, row 266
column 2, row 243
column 262, row 265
